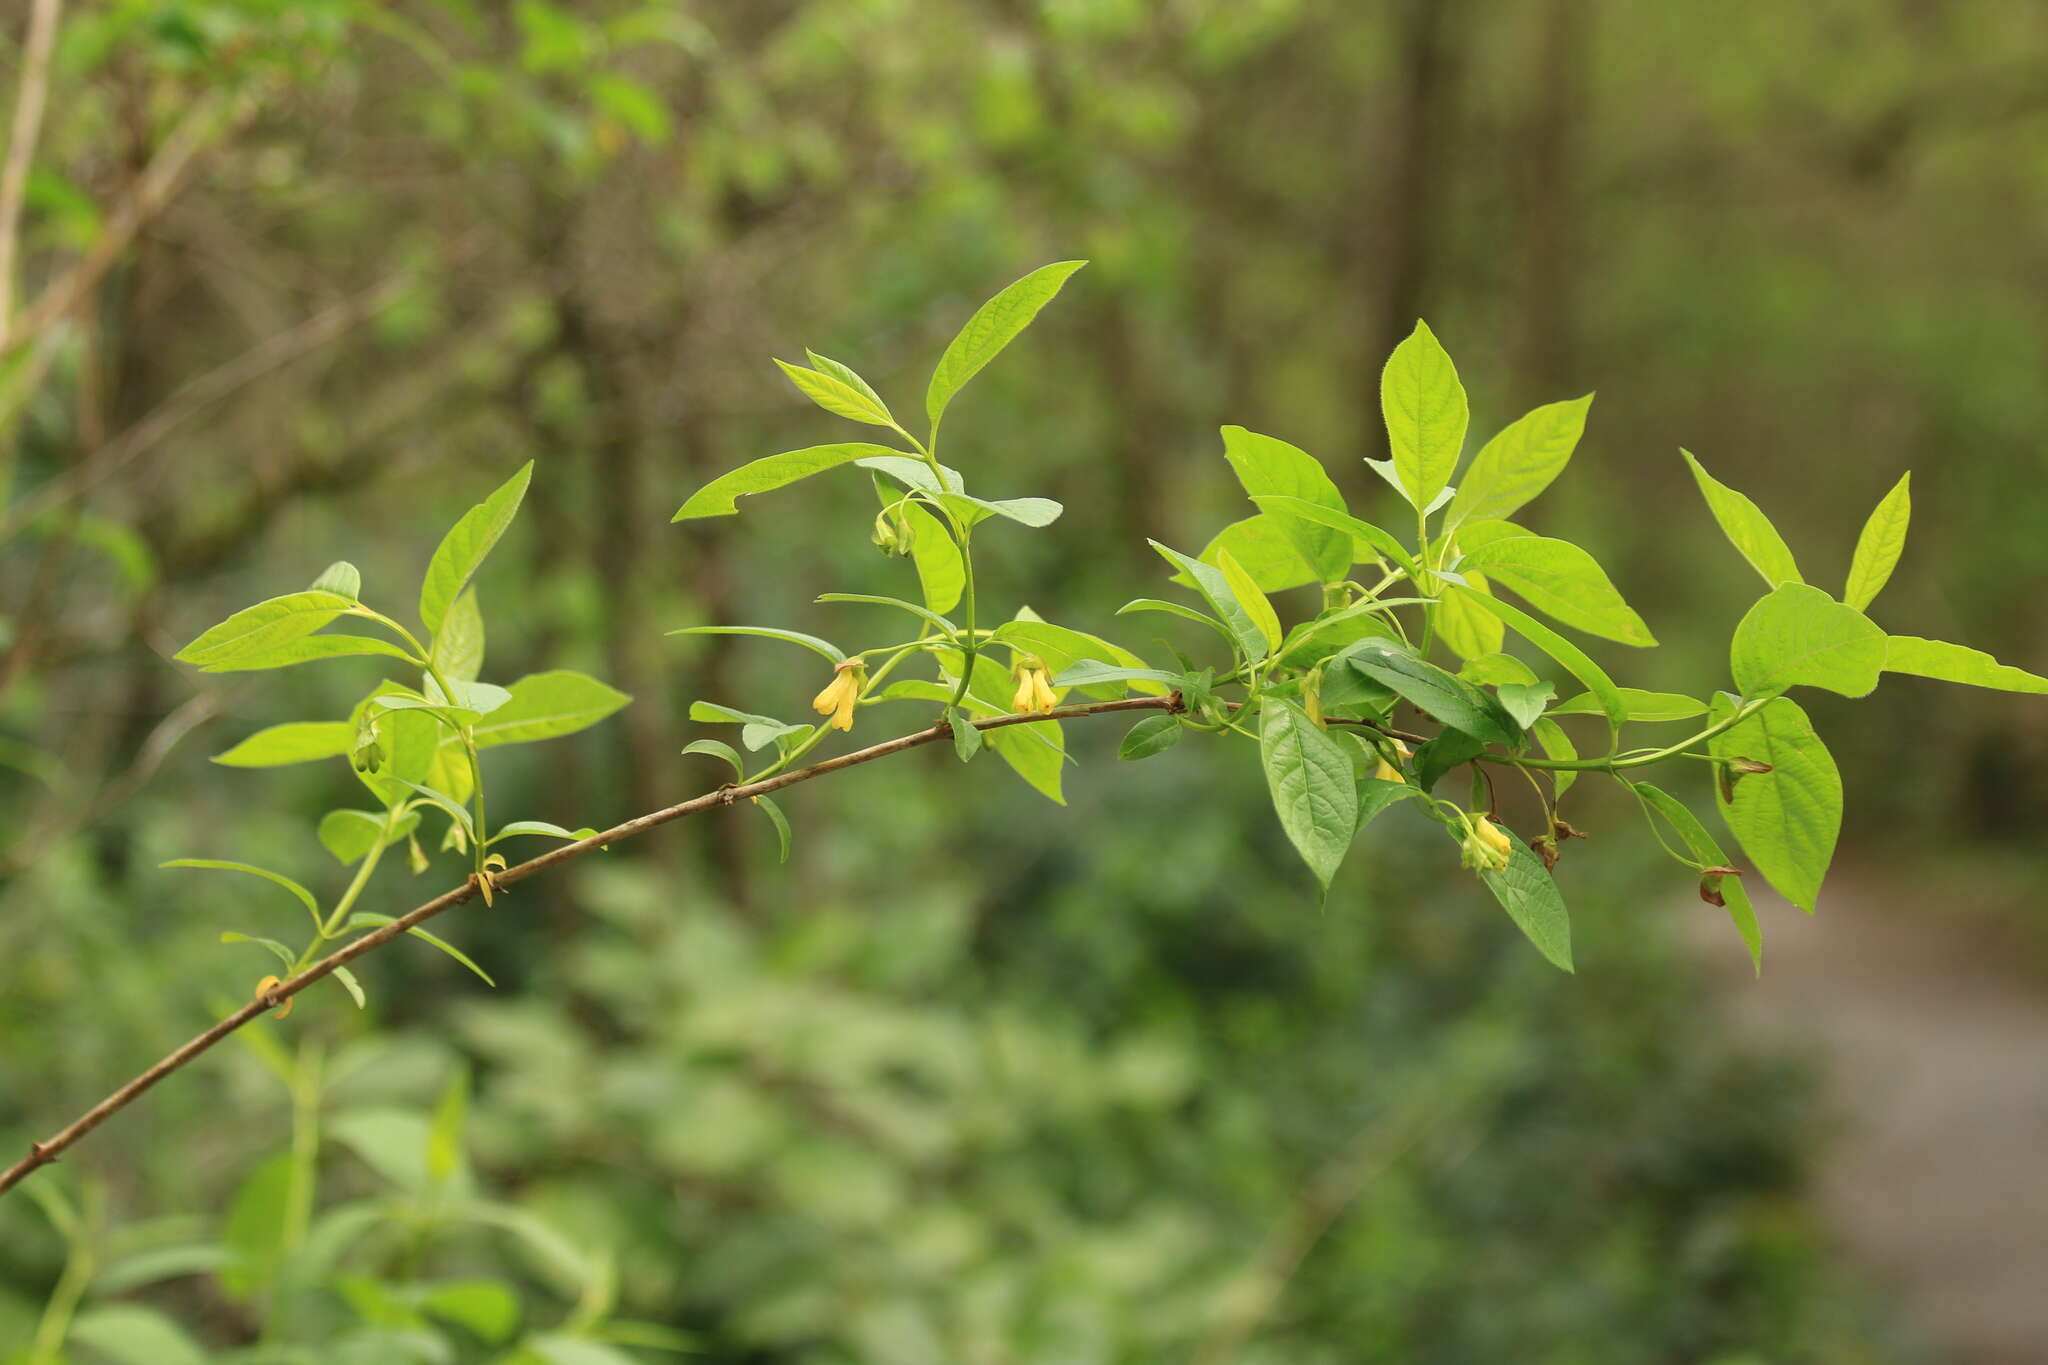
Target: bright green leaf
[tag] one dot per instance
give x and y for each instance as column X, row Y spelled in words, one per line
column 264, row 627
column 1313, row 789
column 794, row 637
column 1799, row 636
column 341, row 578
column 1520, row 461
column 1877, row 549
column 838, row 397
column 547, row 705
column 1787, row 819
column 1556, row 646
column 1531, row 899
column 458, row 648
column 994, row 325
column 1957, row 664
column 462, row 550
column 1747, row 528
column 1152, row 735
column 1266, row 466
column 1426, row 414
column 297, row 742
column 1564, row 582
column 307, row 649
column 1248, row 596
column 716, row 499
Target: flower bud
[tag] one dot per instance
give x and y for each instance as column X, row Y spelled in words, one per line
column 839, row 696
column 1710, row 883
column 893, row 533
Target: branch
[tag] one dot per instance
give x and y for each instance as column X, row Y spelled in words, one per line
column 21, row 141
column 43, row 1153
column 152, row 190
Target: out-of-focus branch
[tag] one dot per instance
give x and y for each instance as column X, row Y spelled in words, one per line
column 43, row 1153
column 32, row 95
column 196, row 395
column 208, row 119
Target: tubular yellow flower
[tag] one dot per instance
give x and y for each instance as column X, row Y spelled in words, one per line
column 1034, row 686
column 1486, row 849
column 841, row 693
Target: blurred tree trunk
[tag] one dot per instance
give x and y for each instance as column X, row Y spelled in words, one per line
column 1426, row 47
column 1546, row 365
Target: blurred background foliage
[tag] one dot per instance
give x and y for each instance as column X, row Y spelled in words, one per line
column 969, row 1079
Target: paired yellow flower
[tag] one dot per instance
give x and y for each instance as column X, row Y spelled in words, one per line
column 1034, row 686
column 1486, row 848
column 841, row 693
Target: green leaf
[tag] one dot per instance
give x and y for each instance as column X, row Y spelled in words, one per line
column 130, row 1334
column 1957, row 664
column 1062, row 648
column 276, row 949
column 463, row 549
column 347, row 980
column 1263, row 546
column 342, row 578
column 940, row 573
column 1248, row 596
column 1532, row 901
column 1787, row 819
column 297, row 742
column 307, row 649
column 781, row 823
column 1558, row 745
column 717, row 498
column 1089, row 672
column 1318, row 639
column 1638, row 704
column 1799, row 636
column 444, row 1135
column 1176, row 609
column 1525, row 701
column 350, row 834
column 1313, row 789
column 449, row 805
column 1564, row 582
column 1747, row 528
column 391, row 1142
column 1574, row 659
column 364, row 919
column 837, row 396
column 994, row 326
column 1024, row 511
column 1445, row 696
column 1381, row 542
column 1152, row 735
column 542, row 828
column 548, row 705
column 966, row 738
column 759, row 731
column 1877, row 549
column 719, row 749
column 1209, row 581
column 1426, row 414
column 1520, row 461
column 913, row 472
column 304, row 896
column 255, row 1230
column 1469, row 631
column 264, row 627
column 1709, row 854
column 486, row 1309
column 1495, row 669
column 1266, row 466
column 458, row 648
column 810, row 642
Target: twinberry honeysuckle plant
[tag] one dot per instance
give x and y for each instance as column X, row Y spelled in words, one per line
column 1403, row 675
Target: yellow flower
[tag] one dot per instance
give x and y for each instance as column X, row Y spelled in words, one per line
column 841, row 693
column 1387, row 772
column 1034, row 686
column 1486, row 849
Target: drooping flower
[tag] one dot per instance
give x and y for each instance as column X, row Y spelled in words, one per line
column 1486, row 848
column 1034, row 686
column 841, row 693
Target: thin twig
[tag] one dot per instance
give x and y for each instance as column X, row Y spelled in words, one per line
column 42, row 1153
column 21, row 140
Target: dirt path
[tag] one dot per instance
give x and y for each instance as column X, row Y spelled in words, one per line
column 1934, row 1036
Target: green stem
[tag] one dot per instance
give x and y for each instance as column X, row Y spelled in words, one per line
column 331, row 926
column 1610, row 765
